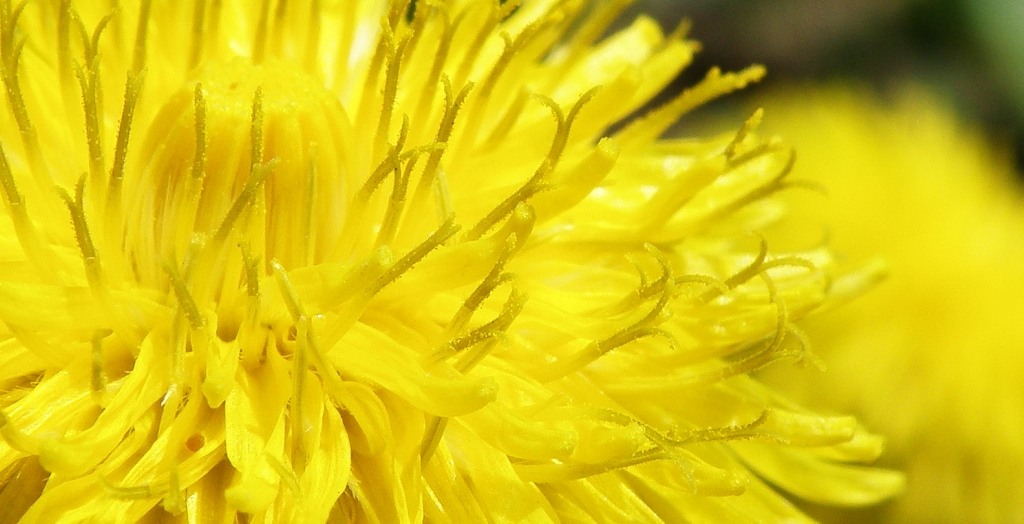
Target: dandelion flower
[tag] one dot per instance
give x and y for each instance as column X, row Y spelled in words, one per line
column 934, row 356
column 390, row 262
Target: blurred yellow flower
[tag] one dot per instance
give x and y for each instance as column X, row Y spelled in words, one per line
column 934, row 356
column 373, row 261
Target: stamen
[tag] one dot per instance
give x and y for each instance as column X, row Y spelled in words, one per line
column 473, row 49
column 390, row 164
column 552, row 472
column 415, row 21
column 92, row 51
column 711, row 282
column 730, row 432
column 642, row 328
column 131, row 96
column 491, row 282
column 507, row 8
column 476, row 353
column 641, row 272
column 664, row 284
column 396, row 203
column 595, row 24
column 278, row 28
column 307, row 348
column 355, row 226
column 259, row 43
column 90, row 87
column 790, row 261
column 92, row 97
column 595, row 350
column 397, row 13
column 180, row 435
column 563, row 125
column 198, row 20
column 511, row 48
column 93, row 270
column 214, row 27
column 714, row 85
column 251, row 339
column 245, row 199
column 188, row 306
column 64, row 60
column 256, row 130
column 538, row 36
column 761, row 192
column 444, row 206
column 192, row 256
column 446, row 231
column 9, row 21
column 509, row 312
column 17, row 104
column 369, row 112
column 394, row 59
column 199, row 160
column 766, row 352
column 804, row 352
column 258, row 172
column 291, row 297
column 509, row 119
column 520, row 227
column 439, row 57
column 444, row 132
column 252, row 276
column 486, row 85
column 431, row 438
column 781, row 313
column 748, row 127
column 519, row 197
column 141, row 32
column 743, row 275
column 39, row 253
column 682, row 29
column 742, row 156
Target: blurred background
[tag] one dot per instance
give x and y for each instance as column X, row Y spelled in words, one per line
column 968, row 51
column 910, row 113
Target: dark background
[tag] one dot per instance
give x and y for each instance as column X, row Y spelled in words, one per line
column 969, row 52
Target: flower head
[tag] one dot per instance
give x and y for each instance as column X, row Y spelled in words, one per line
column 393, row 261
column 934, row 355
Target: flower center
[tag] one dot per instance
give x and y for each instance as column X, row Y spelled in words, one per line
column 241, row 150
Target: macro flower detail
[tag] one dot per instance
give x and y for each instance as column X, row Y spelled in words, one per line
column 383, row 261
column 951, row 354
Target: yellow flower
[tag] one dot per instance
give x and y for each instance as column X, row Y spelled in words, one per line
column 935, row 355
column 374, row 261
